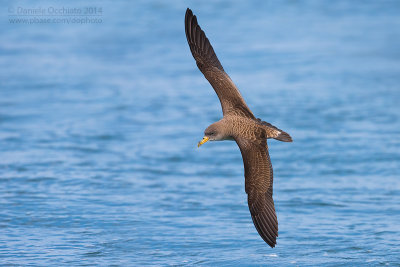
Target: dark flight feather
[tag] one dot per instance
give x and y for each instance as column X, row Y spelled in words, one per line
column 259, row 186
column 208, row 63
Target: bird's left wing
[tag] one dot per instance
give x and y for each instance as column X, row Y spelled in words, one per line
column 258, row 185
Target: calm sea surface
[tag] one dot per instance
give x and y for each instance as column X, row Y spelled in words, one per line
column 99, row 123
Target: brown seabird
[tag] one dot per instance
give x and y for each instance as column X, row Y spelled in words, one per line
column 239, row 124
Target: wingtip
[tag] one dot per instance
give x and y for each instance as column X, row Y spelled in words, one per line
column 200, row 46
column 190, row 18
column 188, row 13
column 264, row 216
column 271, row 244
column 268, row 237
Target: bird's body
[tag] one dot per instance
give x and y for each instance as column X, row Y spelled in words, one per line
column 239, row 124
column 235, row 126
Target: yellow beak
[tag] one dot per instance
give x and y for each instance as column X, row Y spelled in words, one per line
column 205, row 139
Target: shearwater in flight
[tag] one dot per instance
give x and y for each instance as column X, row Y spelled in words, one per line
column 239, row 124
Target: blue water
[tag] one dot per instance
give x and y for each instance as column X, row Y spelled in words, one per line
column 99, row 124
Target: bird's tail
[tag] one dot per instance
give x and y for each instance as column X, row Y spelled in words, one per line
column 274, row 132
column 283, row 136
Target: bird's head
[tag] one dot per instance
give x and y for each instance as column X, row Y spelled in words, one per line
column 214, row 132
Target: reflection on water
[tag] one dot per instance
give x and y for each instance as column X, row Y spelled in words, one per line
column 99, row 125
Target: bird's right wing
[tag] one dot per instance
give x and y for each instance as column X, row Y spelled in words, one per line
column 231, row 100
column 259, row 178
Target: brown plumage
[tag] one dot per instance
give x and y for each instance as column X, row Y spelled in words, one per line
column 239, row 124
